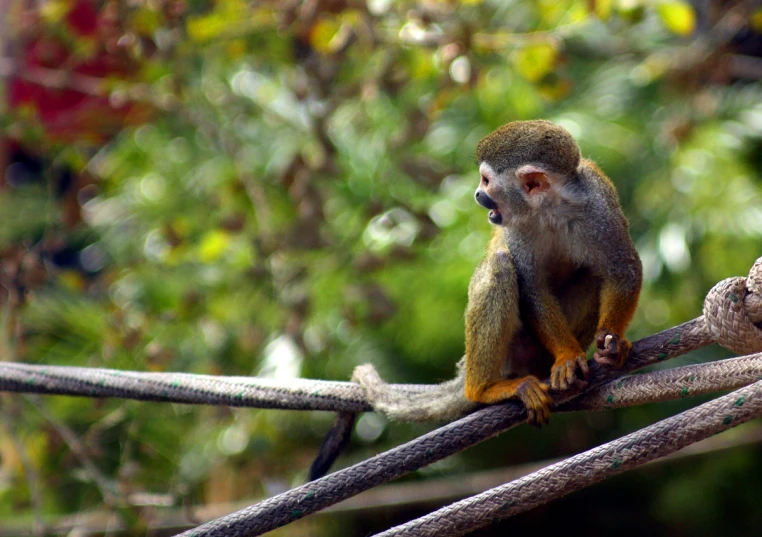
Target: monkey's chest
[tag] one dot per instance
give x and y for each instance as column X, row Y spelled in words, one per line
column 561, row 273
column 577, row 291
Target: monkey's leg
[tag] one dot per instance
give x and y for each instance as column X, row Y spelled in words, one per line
column 529, row 390
column 492, row 321
column 619, row 298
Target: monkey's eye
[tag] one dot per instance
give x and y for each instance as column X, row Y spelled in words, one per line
column 485, row 180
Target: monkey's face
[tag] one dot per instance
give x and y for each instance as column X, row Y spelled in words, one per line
column 517, row 194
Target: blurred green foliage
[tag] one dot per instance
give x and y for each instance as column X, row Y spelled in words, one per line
column 290, row 194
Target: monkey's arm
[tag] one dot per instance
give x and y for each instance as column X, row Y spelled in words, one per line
column 552, row 328
column 617, row 264
column 492, row 321
column 619, row 298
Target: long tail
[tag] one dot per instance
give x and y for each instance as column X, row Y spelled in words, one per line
column 333, row 444
column 415, row 403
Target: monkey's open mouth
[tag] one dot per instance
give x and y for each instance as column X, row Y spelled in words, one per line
column 495, row 217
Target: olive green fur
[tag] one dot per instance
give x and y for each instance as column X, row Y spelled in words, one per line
column 530, row 142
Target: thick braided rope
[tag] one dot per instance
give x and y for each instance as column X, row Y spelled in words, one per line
column 669, row 384
column 731, row 310
column 579, row 471
column 431, row 447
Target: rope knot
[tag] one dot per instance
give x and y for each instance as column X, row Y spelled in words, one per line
column 733, row 312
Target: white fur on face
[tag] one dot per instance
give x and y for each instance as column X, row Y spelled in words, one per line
column 487, row 171
column 517, row 206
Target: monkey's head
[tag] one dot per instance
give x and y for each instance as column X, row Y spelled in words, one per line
column 524, row 166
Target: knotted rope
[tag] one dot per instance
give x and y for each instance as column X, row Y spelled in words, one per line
column 733, row 310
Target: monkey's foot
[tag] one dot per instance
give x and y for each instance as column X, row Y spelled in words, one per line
column 613, row 349
column 563, row 374
column 529, row 390
column 534, row 395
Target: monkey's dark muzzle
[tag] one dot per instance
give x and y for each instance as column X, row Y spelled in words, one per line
column 488, row 203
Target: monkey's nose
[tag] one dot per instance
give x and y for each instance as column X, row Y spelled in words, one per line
column 483, row 199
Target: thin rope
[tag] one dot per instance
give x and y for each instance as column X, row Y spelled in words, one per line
column 305, row 394
column 579, row 471
column 732, row 307
column 289, row 394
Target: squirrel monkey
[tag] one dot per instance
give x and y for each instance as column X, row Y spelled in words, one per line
column 560, row 271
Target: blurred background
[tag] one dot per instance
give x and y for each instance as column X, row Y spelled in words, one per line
column 284, row 188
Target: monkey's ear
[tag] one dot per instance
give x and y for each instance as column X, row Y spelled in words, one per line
column 533, row 178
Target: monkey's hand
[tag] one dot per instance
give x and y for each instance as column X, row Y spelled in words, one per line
column 563, row 374
column 613, row 349
column 534, row 395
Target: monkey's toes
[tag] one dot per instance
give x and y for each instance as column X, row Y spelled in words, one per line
column 534, row 395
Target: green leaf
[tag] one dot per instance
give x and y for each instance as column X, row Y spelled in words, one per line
column 678, row 17
column 602, row 8
column 213, row 245
column 535, row 60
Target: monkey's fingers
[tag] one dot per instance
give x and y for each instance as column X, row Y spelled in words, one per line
column 571, row 372
column 612, row 349
column 532, row 417
column 564, row 374
column 604, row 360
column 559, row 375
column 555, row 380
column 539, row 400
column 581, row 383
column 582, row 363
